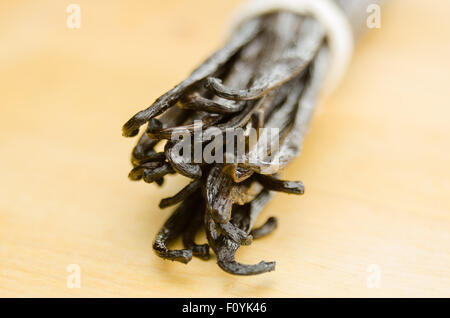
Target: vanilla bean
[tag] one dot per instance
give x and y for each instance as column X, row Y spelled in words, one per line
column 267, row 228
column 240, row 38
column 194, row 225
column 220, row 191
column 182, row 195
column 138, row 172
column 238, row 173
column 151, row 175
column 226, row 248
column 197, row 102
column 269, row 75
column 172, row 229
column 237, row 235
column 179, row 164
column 274, row 184
column 145, row 146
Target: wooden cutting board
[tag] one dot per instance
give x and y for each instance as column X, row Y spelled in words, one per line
column 375, row 219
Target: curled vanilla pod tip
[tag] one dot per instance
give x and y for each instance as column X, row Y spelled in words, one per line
column 194, row 226
column 172, row 229
column 268, row 74
column 267, row 228
column 185, row 193
column 226, row 247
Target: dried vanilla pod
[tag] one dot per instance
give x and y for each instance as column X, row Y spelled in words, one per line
column 269, row 75
column 195, row 224
column 173, row 228
column 225, row 248
column 186, row 192
column 267, row 228
column 240, row 38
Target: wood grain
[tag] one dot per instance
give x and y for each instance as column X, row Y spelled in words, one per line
column 375, row 164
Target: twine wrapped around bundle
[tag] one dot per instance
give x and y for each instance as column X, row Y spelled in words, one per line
column 269, row 74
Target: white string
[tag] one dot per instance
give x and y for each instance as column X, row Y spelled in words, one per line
column 328, row 13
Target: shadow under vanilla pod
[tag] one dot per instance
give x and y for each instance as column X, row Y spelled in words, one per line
column 269, row 74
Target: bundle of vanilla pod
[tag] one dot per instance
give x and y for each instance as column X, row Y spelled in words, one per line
column 268, row 75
